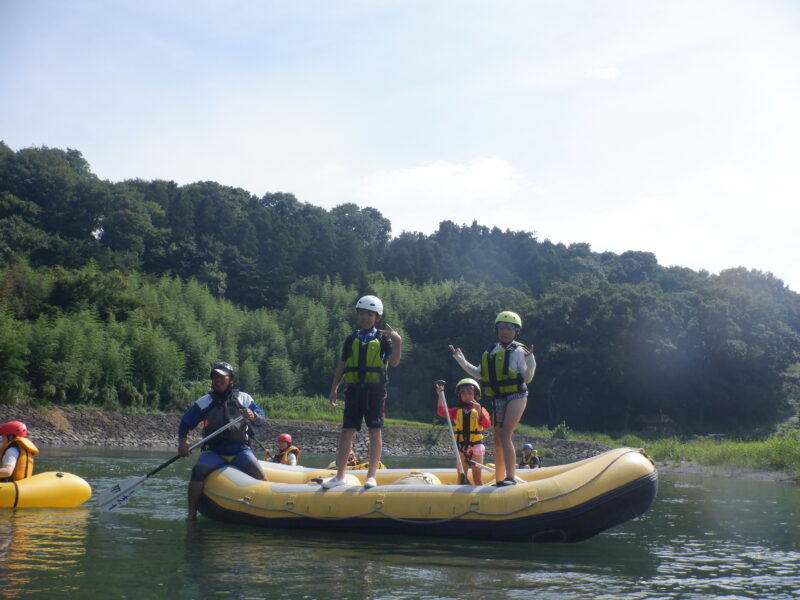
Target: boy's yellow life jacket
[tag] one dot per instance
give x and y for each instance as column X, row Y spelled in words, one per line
column 497, row 378
column 24, row 466
column 468, row 432
column 364, row 364
column 282, row 456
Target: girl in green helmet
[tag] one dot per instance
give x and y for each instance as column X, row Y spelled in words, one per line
column 505, row 370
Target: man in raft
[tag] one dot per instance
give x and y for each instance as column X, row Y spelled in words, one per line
column 220, row 406
column 17, row 452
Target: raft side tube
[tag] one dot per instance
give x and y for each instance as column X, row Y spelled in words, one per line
column 51, row 489
column 575, row 524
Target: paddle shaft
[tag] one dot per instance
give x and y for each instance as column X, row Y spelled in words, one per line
column 123, row 494
column 461, row 474
column 491, row 469
column 196, row 444
column 260, row 445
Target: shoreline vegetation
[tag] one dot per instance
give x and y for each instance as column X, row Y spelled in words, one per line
column 775, row 459
column 120, row 295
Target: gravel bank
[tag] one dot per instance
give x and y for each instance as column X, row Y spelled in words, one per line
column 80, row 427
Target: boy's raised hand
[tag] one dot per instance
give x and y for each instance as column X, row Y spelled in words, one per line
column 390, row 331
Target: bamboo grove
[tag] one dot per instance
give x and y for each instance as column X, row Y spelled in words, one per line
column 120, row 295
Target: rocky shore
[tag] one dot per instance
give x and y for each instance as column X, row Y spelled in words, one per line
column 54, row 426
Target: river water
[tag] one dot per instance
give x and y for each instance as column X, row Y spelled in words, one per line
column 703, row 537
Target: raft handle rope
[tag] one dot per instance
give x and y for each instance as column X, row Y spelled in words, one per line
column 374, row 511
column 379, row 502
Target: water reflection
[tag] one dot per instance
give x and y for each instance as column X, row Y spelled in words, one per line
column 34, row 542
column 316, row 565
column 703, row 537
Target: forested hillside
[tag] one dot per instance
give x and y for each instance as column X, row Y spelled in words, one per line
column 122, row 294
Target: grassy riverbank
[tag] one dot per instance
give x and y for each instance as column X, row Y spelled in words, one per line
column 775, row 453
column 778, row 452
column 781, row 453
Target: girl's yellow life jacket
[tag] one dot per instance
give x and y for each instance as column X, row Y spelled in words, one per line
column 498, row 379
column 468, row 431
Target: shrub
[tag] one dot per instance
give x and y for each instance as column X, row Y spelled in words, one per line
column 561, row 431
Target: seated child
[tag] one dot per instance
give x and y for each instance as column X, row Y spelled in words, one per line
column 286, row 454
column 530, row 458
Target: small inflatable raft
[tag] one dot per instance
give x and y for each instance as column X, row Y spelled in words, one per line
column 565, row 503
column 45, row 490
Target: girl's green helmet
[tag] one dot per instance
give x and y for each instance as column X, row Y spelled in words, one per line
column 508, row 317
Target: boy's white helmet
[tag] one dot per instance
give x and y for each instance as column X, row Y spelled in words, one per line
column 372, row 303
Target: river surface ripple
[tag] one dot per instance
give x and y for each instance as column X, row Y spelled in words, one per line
column 703, row 537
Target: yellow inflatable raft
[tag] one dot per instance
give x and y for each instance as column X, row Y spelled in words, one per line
column 565, row 503
column 45, row 490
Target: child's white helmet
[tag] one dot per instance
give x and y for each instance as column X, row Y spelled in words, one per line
column 372, row 303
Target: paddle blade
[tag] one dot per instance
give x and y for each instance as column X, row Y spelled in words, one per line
column 120, row 493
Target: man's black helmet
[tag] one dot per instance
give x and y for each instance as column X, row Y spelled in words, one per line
column 222, row 368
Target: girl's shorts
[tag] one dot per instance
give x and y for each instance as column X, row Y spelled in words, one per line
column 500, row 404
column 479, row 450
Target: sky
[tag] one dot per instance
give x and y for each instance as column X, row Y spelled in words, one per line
column 669, row 127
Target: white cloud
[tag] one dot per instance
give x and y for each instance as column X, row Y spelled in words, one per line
column 723, row 217
column 605, row 73
column 486, row 189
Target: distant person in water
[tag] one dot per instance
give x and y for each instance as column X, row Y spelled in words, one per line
column 220, row 406
column 530, row 458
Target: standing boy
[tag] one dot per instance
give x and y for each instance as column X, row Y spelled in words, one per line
column 366, row 356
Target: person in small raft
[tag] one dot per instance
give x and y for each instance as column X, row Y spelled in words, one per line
column 16, row 456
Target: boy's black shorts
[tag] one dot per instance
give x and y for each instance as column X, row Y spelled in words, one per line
column 363, row 403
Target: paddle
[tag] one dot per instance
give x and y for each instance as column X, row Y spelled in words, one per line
column 462, row 477
column 260, row 445
column 491, row 469
column 120, row 493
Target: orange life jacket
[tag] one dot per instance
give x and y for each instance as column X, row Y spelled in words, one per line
column 24, row 466
column 282, row 456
